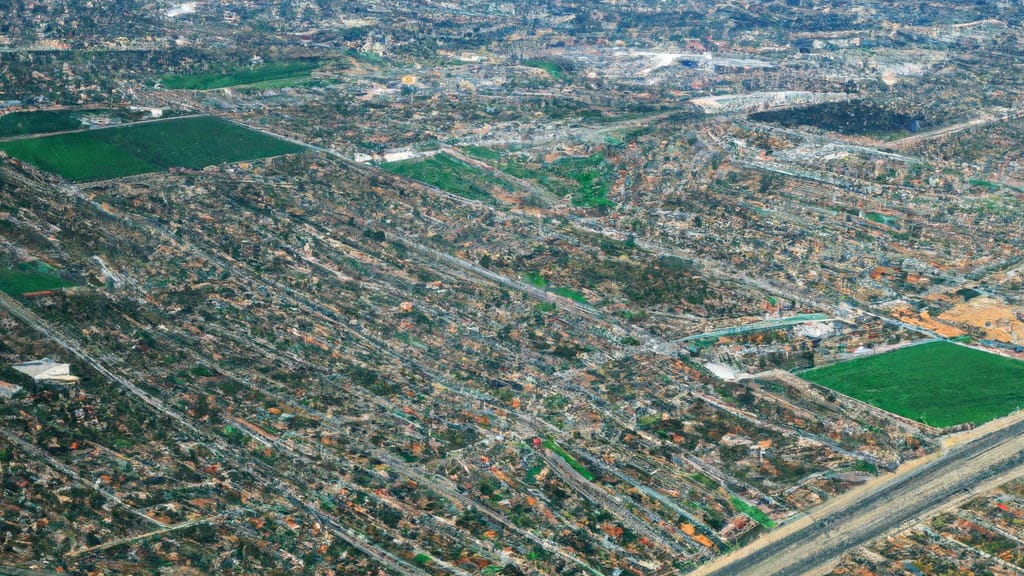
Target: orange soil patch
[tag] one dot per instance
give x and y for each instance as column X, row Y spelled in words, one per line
column 997, row 320
column 924, row 320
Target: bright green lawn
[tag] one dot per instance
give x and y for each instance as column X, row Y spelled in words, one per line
column 483, row 153
column 149, row 147
column 552, row 68
column 755, row 513
column 587, row 178
column 38, row 122
column 278, row 73
column 450, row 174
column 938, row 383
column 550, row 445
column 17, row 282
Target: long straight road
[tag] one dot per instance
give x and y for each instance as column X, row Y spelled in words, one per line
column 826, row 536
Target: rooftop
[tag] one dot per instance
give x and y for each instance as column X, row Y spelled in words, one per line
column 46, row 370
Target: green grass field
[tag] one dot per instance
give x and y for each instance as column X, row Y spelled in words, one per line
column 483, row 153
column 276, row 74
column 881, row 218
column 755, row 513
column 550, row 445
column 939, row 383
column 450, row 174
column 30, row 278
column 571, row 294
column 586, row 178
column 552, row 68
column 150, row 147
column 39, row 122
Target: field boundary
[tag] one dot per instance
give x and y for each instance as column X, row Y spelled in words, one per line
column 191, row 143
column 942, row 384
column 796, row 380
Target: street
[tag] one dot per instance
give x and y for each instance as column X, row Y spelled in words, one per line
column 823, row 537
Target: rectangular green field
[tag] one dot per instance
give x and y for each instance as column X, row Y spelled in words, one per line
column 938, row 383
column 25, row 279
column 38, row 122
column 451, row 175
column 276, row 74
column 106, row 153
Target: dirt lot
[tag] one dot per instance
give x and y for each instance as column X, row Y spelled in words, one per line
column 996, row 319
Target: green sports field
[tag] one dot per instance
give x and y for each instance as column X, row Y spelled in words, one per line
column 939, row 383
column 30, row 277
column 275, row 74
column 38, row 122
column 101, row 154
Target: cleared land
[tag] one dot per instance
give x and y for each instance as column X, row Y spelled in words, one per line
column 940, row 384
column 40, row 122
column 450, row 174
column 192, row 143
column 274, row 75
column 995, row 319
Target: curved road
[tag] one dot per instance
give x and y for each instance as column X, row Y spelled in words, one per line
column 903, row 499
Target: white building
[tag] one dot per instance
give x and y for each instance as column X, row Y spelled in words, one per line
column 46, row 370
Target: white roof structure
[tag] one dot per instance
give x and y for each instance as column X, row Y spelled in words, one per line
column 725, row 372
column 46, row 370
column 7, row 390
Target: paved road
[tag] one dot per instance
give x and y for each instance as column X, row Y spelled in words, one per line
column 217, row 446
column 59, row 466
column 905, row 498
column 984, row 119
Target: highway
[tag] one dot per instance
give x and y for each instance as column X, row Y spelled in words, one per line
column 824, row 537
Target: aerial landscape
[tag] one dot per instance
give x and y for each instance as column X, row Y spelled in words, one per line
column 512, row 288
